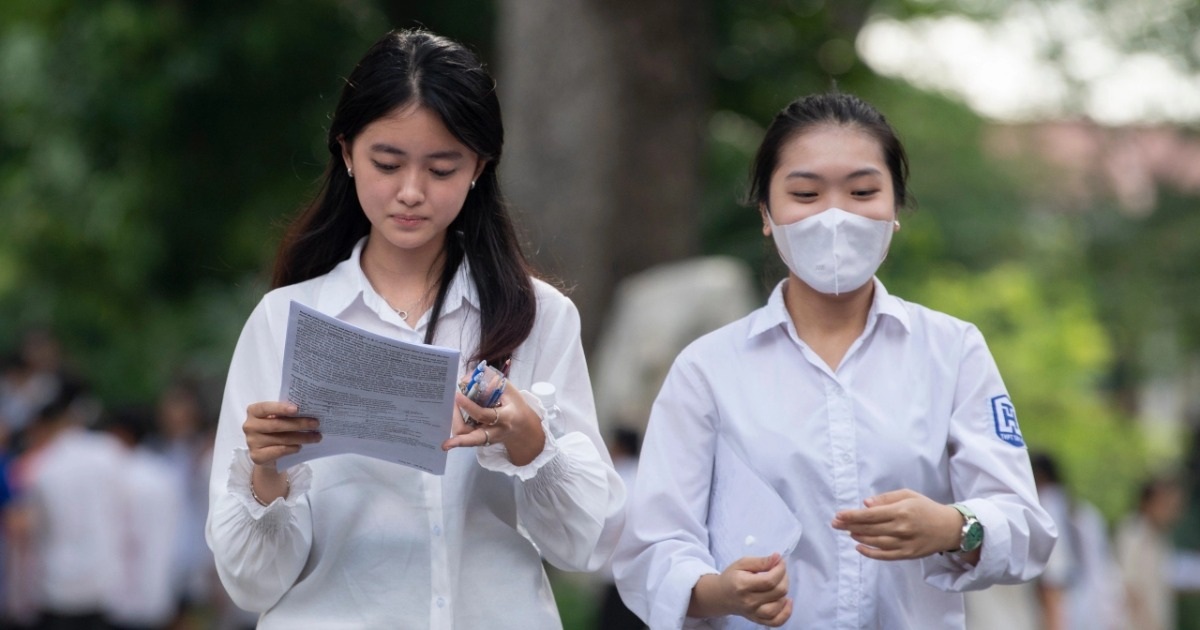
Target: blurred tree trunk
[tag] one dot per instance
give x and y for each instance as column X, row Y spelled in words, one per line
column 605, row 103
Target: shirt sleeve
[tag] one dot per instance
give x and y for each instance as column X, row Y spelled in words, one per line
column 990, row 474
column 259, row 551
column 570, row 500
column 664, row 549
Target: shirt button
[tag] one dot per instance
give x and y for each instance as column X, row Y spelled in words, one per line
column 437, row 530
column 441, row 602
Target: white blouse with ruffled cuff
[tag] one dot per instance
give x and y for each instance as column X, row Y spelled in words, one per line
column 364, row 543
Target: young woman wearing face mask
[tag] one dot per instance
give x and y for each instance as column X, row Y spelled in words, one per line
column 411, row 238
column 840, row 458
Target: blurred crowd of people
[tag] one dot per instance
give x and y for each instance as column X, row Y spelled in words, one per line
column 1099, row 579
column 103, row 507
column 102, row 514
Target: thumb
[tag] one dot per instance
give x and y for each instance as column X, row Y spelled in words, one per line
column 756, row 564
column 888, row 498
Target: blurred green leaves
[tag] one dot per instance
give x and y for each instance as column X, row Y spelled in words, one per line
column 148, row 152
column 1054, row 356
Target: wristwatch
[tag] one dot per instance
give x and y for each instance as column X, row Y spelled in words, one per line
column 972, row 530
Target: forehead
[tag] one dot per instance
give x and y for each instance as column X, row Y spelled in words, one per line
column 830, row 147
column 412, row 128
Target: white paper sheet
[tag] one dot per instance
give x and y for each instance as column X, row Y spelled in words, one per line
column 373, row 395
column 746, row 517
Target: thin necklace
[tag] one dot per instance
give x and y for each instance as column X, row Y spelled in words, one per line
column 403, row 313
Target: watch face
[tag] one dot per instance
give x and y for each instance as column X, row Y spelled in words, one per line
column 973, row 537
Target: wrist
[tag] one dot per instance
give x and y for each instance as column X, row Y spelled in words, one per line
column 268, row 484
column 707, row 600
column 968, row 536
column 953, row 529
column 524, row 446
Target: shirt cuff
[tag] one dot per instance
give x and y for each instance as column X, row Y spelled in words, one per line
column 669, row 608
column 495, row 457
column 947, row 572
column 240, row 472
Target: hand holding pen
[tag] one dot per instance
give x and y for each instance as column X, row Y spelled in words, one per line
column 509, row 420
column 484, row 386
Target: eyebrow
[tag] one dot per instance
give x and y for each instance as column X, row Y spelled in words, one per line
column 862, row 172
column 450, row 154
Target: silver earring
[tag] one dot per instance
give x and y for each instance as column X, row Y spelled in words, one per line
column 472, row 187
column 350, row 172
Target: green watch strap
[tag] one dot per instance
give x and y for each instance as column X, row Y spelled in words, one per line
column 972, row 530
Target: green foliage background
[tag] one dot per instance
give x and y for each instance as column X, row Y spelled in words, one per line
column 150, row 154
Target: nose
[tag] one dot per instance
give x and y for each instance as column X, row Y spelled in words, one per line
column 839, row 201
column 411, row 191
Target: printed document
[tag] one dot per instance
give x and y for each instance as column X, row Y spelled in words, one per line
column 373, row 395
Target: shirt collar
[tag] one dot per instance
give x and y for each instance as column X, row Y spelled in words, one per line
column 462, row 289
column 887, row 304
column 775, row 312
column 347, row 283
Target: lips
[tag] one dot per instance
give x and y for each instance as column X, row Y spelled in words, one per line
column 407, row 219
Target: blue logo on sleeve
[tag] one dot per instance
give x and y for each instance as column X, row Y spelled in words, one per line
column 1005, row 416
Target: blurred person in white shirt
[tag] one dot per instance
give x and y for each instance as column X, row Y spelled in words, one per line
column 68, row 515
column 1081, row 587
column 1145, row 554
column 151, row 510
column 183, row 434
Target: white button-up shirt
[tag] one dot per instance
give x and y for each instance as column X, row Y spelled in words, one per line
column 363, row 543
column 153, row 508
column 74, row 488
column 916, row 403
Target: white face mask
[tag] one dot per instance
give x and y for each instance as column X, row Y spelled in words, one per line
column 833, row 251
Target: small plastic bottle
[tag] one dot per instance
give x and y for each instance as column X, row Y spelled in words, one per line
column 546, row 393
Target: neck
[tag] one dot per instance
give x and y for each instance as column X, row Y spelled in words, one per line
column 829, row 324
column 403, row 277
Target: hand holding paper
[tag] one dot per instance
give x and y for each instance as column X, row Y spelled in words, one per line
column 754, row 588
column 746, row 517
column 751, row 533
column 272, row 432
column 372, row 395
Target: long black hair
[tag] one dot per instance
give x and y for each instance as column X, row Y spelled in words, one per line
column 417, row 67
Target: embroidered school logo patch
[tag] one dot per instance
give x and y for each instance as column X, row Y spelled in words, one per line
column 1005, row 417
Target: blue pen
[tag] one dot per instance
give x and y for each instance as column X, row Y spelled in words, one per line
column 473, row 383
column 497, row 392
